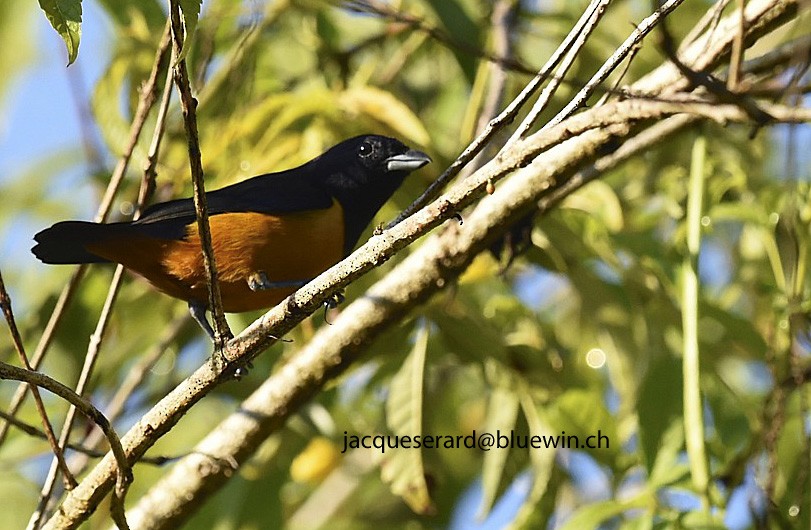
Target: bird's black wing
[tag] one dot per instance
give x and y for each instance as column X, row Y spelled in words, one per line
column 275, row 193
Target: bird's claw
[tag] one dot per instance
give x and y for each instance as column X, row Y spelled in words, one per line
column 335, row 300
column 332, row 302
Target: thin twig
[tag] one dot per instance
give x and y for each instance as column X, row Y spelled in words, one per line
column 234, row 59
column 222, row 333
column 633, row 40
column 713, row 85
column 5, row 305
column 505, row 118
column 615, row 86
column 546, row 94
column 709, row 20
column 384, row 10
column 502, row 19
column 84, row 450
column 149, row 95
column 133, row 380
column 91, row 356
column 736, row 58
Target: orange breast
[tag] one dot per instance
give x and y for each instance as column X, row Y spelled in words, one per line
column 288, row 247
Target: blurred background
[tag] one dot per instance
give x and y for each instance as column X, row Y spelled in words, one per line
column 582, row 332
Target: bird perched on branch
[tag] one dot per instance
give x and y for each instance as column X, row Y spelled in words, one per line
column 270, row 234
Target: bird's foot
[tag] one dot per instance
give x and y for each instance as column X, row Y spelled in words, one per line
column 258, row 281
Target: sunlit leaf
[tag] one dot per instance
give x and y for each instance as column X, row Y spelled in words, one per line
column 66, row 18
column 403, row 468
column 384, row 107
column 190, row 12
column 502, row 413
column 594, row 515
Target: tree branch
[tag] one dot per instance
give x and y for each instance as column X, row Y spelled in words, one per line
column 335, row 348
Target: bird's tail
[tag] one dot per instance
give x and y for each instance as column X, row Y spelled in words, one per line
column 66, row 242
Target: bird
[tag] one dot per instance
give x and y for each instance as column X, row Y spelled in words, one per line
column 270, row 234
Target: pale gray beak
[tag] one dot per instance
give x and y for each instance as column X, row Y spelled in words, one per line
column 408, row 161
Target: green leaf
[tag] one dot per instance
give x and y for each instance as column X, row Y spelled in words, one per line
column 582, row 413
column 190, row 13
column 463, row 30
column 543, row 462
column 787, row 234
column 403, row 468
column 660, row 404
column 16, row 46
column 471, row 337
column 593, row 515
column 599, row 201
column 502, row 413
column 66, row 18
column 18, row 496
column 669, row 466
column 121, row 11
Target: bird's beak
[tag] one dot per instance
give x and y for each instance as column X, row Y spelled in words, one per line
column 408, row 161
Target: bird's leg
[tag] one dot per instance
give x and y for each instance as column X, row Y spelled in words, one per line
column 198, row 313
column 258, row 281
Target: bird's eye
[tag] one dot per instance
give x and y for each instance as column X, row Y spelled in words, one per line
column 365, row 149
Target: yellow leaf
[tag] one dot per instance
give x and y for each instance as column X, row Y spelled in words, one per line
column 388, row 110
column 315, row 462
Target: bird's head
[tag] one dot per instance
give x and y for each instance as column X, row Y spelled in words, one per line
column 371, row 161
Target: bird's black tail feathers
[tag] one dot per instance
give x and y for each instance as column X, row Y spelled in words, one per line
column 65, row 242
